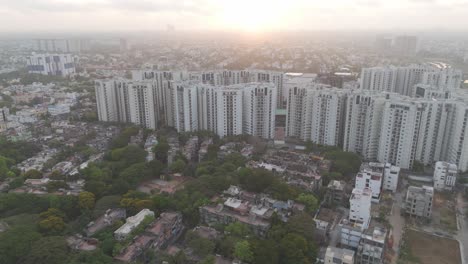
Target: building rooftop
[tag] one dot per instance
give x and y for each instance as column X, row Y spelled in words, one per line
column 340, row 253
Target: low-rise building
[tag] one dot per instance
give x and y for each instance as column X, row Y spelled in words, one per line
column 191, row 148
column 324, row 221
column 234, row 212
column 372, row 246
column 131, row 223
column 445, row 175
column 58, row 109
column 360, row 207
column 335, row 255
column 158, row 235
column 391, row 175
column 336, row 193
column 418, row 201
column 371, row 176
column 108, row 219
column 204, row 149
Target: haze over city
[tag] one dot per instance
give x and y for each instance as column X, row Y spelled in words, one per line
column 242, row 15
column 233, row 132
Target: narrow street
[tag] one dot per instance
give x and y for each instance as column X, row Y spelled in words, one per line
column 397, row 222
column 462, row 235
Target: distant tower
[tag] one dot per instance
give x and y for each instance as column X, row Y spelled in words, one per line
column 406, row 45
column 170, row 28
column 123, row 45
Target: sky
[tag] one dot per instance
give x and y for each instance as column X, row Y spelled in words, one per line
column 239, row 15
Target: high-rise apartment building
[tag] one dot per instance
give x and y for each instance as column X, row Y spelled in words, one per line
column 400, row 128
column 62, row 45
column 405, row 45
column 51, row 64
column 316, row 113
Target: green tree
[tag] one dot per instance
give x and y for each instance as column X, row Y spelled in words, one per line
column 52, row 212
column 16, row 242
column 177, row 166
column 52, row 225
column 56, row 175
column 243, row 251
column 160, row 151
column 293, row 249
column 309, row 201
column 238, row 229
column 98, row 188
column 257, row 180
column 33, row 174
column 265, row 251
column 201, row 246
column 86, row 200
column 47, row 250
column 301, row 225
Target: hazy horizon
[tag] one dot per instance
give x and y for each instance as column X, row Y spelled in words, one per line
column 53, row 16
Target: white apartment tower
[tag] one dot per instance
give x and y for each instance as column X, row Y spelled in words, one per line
column 364, row 112
column 371, row 176
column 106, row 100
column 316, row 113
column 183, row 106
column 445, row 175
column 360, row 207
column 259, row 109
column 51, row 64
column 142, row 105
column 455, row 146
column 229, row 109
column 399, row 132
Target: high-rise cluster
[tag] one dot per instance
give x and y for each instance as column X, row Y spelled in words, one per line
column 402, row 80
column 51, row 64
column 225, row 102
column 399, row 116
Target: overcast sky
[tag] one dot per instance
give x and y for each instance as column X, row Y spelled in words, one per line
column 248, row 15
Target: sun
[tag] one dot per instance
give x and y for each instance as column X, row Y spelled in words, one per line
column 252, row 15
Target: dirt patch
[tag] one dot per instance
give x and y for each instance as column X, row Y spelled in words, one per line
column 429, row 249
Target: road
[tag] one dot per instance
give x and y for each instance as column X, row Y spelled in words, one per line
column 462, row 235
column 398, row 223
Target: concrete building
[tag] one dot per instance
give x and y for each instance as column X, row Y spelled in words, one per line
column 371, row 176
column 364, row 113
column 58, row 109
column 106, row 100
column 142, row 105
column 159, row 234
column 131, row 223
column 51, row 64
column 372, row 246
column 391, row 175
column 418, row 201
column 62, row 45
column 335, row 255
column 405, row 45
column 360, row 207
column 109, row 218
column 394, row 79
column 316, row 113
column 445, row 175
column 336, row 192
column 399, row 132
column 259, row 105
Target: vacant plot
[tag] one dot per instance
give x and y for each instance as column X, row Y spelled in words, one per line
column 444, row 213
column 428, row 249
